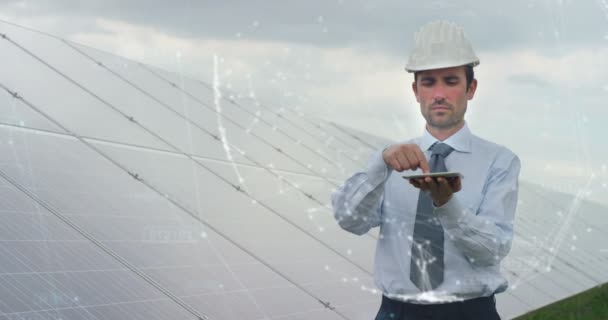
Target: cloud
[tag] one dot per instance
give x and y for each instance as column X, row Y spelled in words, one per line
column 384, row 24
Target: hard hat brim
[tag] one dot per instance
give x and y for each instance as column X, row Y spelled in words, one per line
column 411, row 69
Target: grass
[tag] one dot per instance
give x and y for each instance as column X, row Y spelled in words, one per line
column 589, row 305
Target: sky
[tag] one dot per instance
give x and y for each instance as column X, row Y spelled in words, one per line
column 543, row 77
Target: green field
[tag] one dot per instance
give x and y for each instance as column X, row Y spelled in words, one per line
column 589, row 305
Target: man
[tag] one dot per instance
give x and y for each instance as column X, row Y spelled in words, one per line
column 441, row 239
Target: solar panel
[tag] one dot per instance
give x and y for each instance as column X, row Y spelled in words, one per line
column 130, row 192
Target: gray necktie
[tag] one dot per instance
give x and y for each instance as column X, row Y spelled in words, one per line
column 426, row 266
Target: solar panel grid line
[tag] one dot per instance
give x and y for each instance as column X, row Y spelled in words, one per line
column 553, row 252
column 526, row 226
column 548, row 288
column 566, row 256
column 114, row 304
column 527, row 277
column 352, row 135
column 141, row 64
column 551, row 201
column 104, row 248
column 533, row 285
column 348, row 157
column 574, row 208
column 298, row 313
column 324, row 127
column 215, row 137
column 192, row 214
column 561, row 279
column 563, row 258
column 149, row 148
column 54, row 286
column 278, row 114
column 176, row 149
column 511, row 295
column 16, row 292
column 248, row 292
column 271, row 125
column 238, row 125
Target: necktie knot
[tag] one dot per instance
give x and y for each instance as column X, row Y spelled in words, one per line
column 441, row 149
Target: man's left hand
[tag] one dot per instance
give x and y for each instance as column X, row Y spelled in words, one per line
column 441, row 188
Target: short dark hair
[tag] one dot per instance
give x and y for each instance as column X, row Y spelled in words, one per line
column 468, row 72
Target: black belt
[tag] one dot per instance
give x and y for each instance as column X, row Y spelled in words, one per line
column 482, row 308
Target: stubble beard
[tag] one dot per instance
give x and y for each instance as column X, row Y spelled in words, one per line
column 451, row 122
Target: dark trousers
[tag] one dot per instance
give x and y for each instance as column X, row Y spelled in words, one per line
column 483, row 308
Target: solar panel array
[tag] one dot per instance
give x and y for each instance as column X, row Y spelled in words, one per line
column 129, row 192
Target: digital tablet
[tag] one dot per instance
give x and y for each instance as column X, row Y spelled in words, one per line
column 450, row 174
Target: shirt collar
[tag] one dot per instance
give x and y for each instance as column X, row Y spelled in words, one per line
column 460, row 141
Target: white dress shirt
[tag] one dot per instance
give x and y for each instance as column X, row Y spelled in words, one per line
column 477, row 220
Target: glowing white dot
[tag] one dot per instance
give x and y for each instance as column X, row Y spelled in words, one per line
column 255, row 24
column 327, row 268
column 349, row 252
column 203, row 235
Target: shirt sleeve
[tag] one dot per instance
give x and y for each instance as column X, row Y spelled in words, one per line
column 357, row 204
column 485, row 237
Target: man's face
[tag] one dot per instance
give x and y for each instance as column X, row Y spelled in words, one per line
column 443, row 96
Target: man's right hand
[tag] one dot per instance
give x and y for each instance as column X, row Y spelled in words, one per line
column 400, row 157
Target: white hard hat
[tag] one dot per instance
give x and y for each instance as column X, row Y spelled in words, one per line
column 441, row 44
